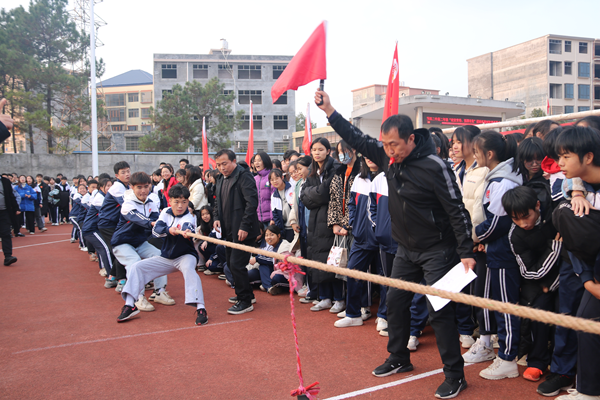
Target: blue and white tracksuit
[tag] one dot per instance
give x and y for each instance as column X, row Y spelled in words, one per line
column 380, row 218
column 111, row 207
column 277, row 210
column 92, row 235
column 502, row 265
column 76, row 209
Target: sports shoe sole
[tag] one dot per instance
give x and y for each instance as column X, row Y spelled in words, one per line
column 160, row 301
column 406, row 368
column 235, row 301
column 491, row 358
column 245, row 310
column 133, row 314
column 555, row 393
column 497, row 378
column 453, row 395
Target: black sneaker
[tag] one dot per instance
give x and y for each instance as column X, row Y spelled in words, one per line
column 201, row 268
column 127, row 313
column 240, row 307
column 202, row 318
column 388, row 368
column 10, row 260
column 451, row 388
column 553, row 385
column 19, row 235
column 222, row 277
column 234, row 300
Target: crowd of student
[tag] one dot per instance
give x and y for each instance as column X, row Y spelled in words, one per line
column 514, row 199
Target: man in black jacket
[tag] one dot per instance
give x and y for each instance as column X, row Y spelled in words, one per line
column 237, row 220
column 8, row 208
column 430, row 225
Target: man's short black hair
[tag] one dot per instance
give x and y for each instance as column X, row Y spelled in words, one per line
column 581, row 141
column 63, row 178
column 179, row 192
column 185, row 160
column 230, row 154
column 519, row 201
column 402, row 123
column 120, row 165
column 290, row 153
column 139, row 178
column 104, row 175
column 92, row 181
column 42, row 176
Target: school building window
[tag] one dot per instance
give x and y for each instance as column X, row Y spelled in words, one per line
column 132, row 128
column 555, row 46
column 147, row 128
column 200, row 71
column 225, row 72
column 584, row 92
column 131, row 144
column 584, row 70
column 133, row 113
column 249, row 72
column 147, row 97
column 280, row 121
column 569, row 109
column 555, row 91
column 115, row 100
column 261, row 145
column 555, row 68
column 583, row 108
column 133, row 97
column 567, row 46
column 116, row 114
column 280, row 147
column 245, row 96
column 569, row 91
column 568, row 68
column 117, row 128
column 278, row 70
column 282, row 99
column 257, row 119
column 145, row 113
column 169, row 71
column 241, row 147
column 583, row 46
column 103, row 143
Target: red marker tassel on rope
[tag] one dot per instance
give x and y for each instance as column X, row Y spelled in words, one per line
column 311, row 390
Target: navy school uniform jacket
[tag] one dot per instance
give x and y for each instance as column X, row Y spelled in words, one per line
column 175, row 246
column 76, row 207
column 380, row 214
column 90, row 224
column 85, row 206
column 277, row 205
column 264, row 260
column 359, row 214
column 111, row 207
column 426, row 208
column 494, row 230
column 135, row 221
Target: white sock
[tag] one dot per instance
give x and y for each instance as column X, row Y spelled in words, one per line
column 199, row 306
column 487, row 340
column 159, row 290
column 130, row 300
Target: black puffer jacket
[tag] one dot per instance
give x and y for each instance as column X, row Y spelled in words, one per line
column 315, row 197
column 426, row 207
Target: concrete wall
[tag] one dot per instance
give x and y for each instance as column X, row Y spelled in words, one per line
column 81, row 163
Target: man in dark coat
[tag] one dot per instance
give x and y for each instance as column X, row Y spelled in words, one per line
column 237, row 220
column 430, row 225
column 8, row 208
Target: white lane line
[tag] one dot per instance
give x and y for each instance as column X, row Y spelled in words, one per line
column 39, row 244
column 388, row 385
column 129, row 336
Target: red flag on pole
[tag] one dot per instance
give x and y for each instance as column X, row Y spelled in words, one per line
column 307, row 141
column 308, row 64
column 548, row 106
column 205, row 162
column 250, row 151
column 393, row 91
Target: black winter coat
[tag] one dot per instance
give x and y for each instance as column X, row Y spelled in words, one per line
column 426, row 207
column 243, row 202
column 9, row 198
column 315, row 197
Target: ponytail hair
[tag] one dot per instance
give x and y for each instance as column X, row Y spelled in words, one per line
column 503, row 146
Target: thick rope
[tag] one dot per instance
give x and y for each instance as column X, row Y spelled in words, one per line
column 566, row 321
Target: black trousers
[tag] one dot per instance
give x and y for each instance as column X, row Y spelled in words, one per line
column 118, row 270
column 5, row 233
column 485, row 318
column 540, row 354
column 237, row 261
column 413, row 267
column 588, row 352
column 63, row 213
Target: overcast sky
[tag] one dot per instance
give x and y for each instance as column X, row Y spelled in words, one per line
column 435, row 37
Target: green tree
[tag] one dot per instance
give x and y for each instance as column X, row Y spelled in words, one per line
column 535, row 113
column 178, row 118
column 300, row 122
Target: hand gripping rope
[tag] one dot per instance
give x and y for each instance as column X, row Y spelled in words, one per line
column 312, row 390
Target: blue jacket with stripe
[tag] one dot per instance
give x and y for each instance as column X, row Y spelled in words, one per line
column 76, row 206
column 175, row 246
column 135, row 221
column 111, row 207
column 380, row 214
column 90, row 224
column 359, row 214
column 277, row 205
column 493, row 232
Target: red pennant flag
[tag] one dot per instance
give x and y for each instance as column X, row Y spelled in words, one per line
column 393, row 91
column 307, row 141
column 548, row 106
column 308, row 64
column 250, row 151
column 205, row 157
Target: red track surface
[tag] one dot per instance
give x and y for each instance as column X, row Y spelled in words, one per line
column 59, row 339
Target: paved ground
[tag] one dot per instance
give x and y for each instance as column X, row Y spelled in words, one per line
column 59, row 339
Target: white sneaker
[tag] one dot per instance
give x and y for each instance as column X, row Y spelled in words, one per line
column 341, row 314
column 83, row 249
column 365, row 313
column 413, row 342
column 337, row 307
column 381, row 324
column 303, row 292
column 321, row 305
column 479, row 353
column 347, row 322
column 575, row 395
column 144, row 305
column 73, row 240
column 102, row 272
column 164, row 298
column 500, row 369
column 495, row 343
column 467, row 341
column 44, row 229
column 32, row 233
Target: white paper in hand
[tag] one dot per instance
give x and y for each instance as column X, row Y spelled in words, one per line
column 454, row 281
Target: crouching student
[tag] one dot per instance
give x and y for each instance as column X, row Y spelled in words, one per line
column 278, row 283
column 177, row 254
column 139, row 213
column 537, row 248
column 579, row 156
